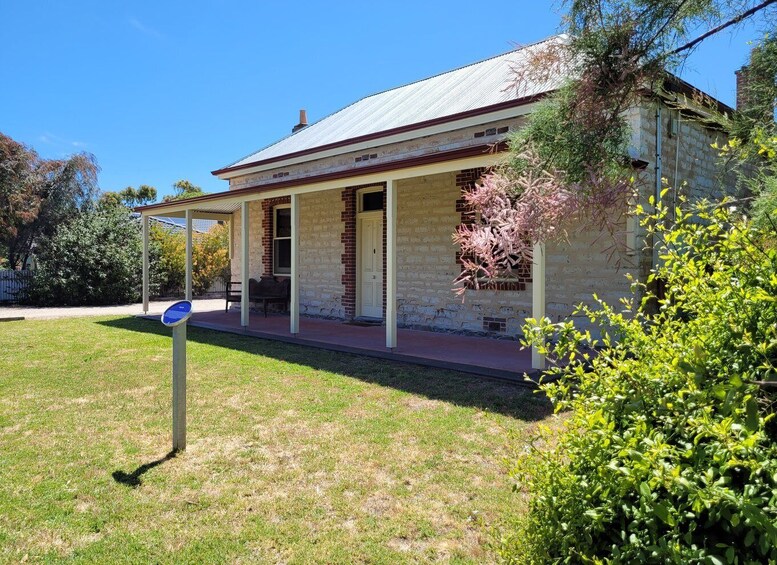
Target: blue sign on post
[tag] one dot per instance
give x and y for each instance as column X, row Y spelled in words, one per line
column 175, row 317
column 178, row 313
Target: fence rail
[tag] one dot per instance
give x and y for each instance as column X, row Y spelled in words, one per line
column 217, row 287
column 13, row 285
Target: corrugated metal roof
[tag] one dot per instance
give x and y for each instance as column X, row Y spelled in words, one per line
column 198, row 225
column 475, row 86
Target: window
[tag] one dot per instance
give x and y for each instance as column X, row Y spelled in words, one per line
column 370, row 201
column 281, row 249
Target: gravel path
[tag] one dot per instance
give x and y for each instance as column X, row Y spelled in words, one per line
column 28, row 313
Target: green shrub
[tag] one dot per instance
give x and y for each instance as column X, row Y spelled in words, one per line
column 210, row 259
column 94, row 259
column 668, row 450
column 169, row 268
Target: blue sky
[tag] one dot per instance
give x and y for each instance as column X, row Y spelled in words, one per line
column 164, row 90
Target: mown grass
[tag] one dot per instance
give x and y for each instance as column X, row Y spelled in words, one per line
column 294, row 455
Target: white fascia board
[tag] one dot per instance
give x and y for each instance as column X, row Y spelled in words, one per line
column 485, row 160
column 396, row 138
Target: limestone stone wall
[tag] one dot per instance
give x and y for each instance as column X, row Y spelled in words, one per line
column 586, row 265
column 321, row 249
column 255, row 241
column 689, row 163
column 427, row 266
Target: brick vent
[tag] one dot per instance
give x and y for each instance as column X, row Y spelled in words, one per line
column 267, row 231
column 348, row 238
column 465, row 181
column 494, row 324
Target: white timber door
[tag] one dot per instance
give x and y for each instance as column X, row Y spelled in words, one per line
column 370, row 268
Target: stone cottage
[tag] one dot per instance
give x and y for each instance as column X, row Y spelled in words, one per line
column 359, row 208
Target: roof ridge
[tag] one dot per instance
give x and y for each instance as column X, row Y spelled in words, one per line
column 560, row 36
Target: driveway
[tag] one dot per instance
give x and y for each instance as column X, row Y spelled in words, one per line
column 30, row 313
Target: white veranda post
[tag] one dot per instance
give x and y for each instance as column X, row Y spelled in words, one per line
column 294, row 306
column 391, row 264
column 538, row 297
column 244, row 264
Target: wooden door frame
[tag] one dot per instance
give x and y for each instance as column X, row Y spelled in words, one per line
column 376, row 215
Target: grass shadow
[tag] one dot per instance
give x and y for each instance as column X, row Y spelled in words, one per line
column 438, row 384
column 133, row 479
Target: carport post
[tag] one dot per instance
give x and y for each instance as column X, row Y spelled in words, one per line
column 294, row 302
column 244, row 264
column 189, row 216
column 538, row 297
column 144, row 223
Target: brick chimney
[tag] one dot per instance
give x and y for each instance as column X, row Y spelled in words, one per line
column 303, row 121
column 743, row 84
column 746, row 82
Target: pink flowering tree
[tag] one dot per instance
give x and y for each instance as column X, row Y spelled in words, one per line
column 569, row 165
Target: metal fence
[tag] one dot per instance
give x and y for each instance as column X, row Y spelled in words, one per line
column 217, row 288
column 13, row 285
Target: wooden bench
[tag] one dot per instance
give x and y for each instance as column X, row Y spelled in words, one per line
column 233, row 293
column 266, row 290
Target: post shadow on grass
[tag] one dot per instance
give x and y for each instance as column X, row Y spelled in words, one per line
column 436, row 384
column 133, row 479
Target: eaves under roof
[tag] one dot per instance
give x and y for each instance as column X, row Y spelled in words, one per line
column 470, row 90
column 198, row 225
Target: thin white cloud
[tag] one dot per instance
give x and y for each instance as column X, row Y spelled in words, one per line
column 144, row 29
column 50, row 139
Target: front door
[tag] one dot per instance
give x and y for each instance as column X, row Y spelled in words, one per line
column 370, row 236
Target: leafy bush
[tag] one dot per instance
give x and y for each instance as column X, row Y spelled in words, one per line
column 210, row 259
column 94, row 259
column 668, row 451
column 169, row 268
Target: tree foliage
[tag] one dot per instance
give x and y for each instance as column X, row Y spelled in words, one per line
column 210, row 259
column 19, row 203
column 669, row 452
column 183, row 190
column 37, row 195
column 129, row 196
column 169, row 269
column 615, row 52
column 94, row 259
column 753, row 146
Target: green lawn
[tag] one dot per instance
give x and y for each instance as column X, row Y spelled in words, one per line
column 294, row 455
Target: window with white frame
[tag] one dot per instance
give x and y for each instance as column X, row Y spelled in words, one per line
column 281, row 240
column 370, row 200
